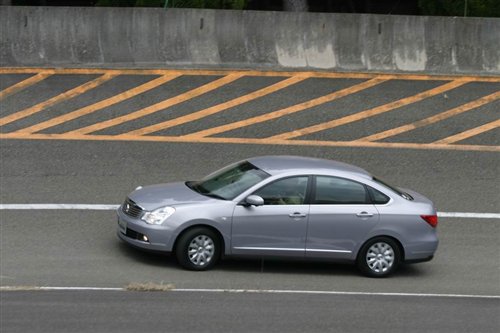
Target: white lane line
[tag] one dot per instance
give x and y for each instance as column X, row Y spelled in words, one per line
column 470, row 215
column 326, row 292
column 113, row 207
column 56, row 207
column 253, row 291
column 35, row 288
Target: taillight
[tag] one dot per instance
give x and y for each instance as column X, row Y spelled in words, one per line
column 431, row 219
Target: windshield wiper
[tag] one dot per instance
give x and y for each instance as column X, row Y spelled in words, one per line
column 201, row 190
column 213, row 195
column 195, row 187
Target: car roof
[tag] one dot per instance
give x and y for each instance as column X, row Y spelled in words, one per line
column 275, row 165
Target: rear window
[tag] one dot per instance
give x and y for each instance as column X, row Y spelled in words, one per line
column 394, row 189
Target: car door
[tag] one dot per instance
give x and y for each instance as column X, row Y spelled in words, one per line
column 279, row 226
column 340, row 217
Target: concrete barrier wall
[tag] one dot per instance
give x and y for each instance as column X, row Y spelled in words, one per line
column 154, row 37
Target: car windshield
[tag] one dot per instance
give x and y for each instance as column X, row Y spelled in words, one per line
column 394, row 189
column 230, row 181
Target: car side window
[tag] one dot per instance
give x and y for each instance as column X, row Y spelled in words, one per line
column 339, row 191
column 378, row 198
column 288, row 191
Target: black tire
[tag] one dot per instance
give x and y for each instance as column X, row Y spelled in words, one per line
column 379, row 257
column 198, row 249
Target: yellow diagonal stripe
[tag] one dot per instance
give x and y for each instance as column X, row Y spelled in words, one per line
column 440, row 116
column 98, row 106
column 370, row 112
column 23, row 84
column 217, row 108
column 469, row 133
column 56, row 99
column 286, row 111
column 161, row 105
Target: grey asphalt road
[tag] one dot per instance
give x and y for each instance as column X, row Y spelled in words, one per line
column 227, row 312
column 80, row 249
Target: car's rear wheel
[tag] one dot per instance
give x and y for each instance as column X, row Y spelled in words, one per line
column 379, row 257
column 198, row 249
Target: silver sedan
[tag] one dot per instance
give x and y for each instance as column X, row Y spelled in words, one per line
column 283, row 206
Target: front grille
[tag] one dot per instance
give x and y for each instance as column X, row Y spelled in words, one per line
column 132, row 209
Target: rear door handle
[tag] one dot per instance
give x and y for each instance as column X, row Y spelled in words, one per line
column 297, row 215
column 364, row 214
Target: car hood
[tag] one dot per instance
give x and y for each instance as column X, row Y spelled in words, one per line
column 171, row 194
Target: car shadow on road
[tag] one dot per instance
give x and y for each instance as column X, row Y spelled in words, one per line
column 158, row 259
column 285, row 266
column 266, row 265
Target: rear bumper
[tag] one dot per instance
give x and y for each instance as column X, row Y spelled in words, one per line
column 415, row 261
column 422, row 251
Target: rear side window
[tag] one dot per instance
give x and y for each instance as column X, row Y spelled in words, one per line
column 339, row 191
column 378, row 198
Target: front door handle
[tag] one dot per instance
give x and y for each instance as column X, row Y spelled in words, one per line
column 364, row 214
column 297, row 215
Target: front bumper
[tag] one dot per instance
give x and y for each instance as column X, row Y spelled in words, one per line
column 142, row 235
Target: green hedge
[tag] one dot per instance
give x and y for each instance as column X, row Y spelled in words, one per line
column 215, row 4
column 479, row 8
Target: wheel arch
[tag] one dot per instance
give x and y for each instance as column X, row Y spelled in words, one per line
column 395, row 239
column 201, row 225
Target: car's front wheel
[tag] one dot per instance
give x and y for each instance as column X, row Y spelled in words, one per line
column 198, row 249
column 379, row 257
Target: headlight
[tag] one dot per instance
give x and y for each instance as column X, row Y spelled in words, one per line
column 158, row 216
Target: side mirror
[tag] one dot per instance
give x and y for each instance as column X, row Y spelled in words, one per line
column 254, row 200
